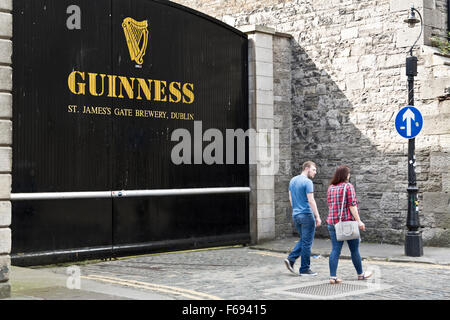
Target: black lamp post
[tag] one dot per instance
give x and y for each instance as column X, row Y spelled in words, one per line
column 413, row 241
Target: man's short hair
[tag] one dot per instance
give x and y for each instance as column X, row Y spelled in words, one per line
column 308, row 164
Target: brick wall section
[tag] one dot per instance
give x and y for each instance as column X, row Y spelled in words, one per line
column 5, row 143
column 347, row 83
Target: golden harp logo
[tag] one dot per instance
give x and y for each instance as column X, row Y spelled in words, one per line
column 136, row 34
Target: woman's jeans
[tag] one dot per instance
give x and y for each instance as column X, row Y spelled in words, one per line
column 306, row 227
column 353, row 245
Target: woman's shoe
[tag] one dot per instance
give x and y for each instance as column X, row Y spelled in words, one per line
column 365, row 275
column 335, row 280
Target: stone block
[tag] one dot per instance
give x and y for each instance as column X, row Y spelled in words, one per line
column 265, row 196
column 5, row 186
column 266, row 229
column 434, row 88
column 437, row 202
column 264, row 111
column 5, row 214
column 5, row 51
column 265, row 182
column 368, row 62
column 6, row 5
column 5, row 25
column 264, row 97
column 436, row 125
column 263, row 40
column 266, row 211
column 444, row 141
column 264, row 69
column 5, row 266
column 5, row 290
column 264, row 124
column 5, row 159
column 5, row 78
column 436, row 237
column 349, row 33
column 264, row 83
column 5, row 105
column 394, row 60
column 5, row 132
column 434, row 18
column 439, row 162
column 355, row 81
column 263, row 55
column 405, row 36
column 5, row 241
column 350, row 65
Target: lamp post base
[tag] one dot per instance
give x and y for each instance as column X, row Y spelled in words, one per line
column 413, row 244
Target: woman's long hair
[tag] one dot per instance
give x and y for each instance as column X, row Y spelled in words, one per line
column 340, row 175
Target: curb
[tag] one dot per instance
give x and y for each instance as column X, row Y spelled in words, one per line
column 404, row 259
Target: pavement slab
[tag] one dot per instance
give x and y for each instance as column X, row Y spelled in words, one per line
column 239, row 273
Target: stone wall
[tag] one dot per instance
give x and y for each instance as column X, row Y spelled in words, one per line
column 347, row 81
column 5, row 143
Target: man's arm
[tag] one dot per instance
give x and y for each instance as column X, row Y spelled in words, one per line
column 290, row 198
column 312, row 203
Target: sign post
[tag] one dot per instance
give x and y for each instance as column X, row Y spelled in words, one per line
column 409, row 123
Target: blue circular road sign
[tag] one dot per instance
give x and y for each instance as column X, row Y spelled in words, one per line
column 408, row 122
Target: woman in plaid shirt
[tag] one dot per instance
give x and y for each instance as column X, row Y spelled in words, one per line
column 335, row 196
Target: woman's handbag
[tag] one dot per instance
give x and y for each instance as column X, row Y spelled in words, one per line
column 346, row 230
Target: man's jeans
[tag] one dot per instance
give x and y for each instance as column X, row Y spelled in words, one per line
column 306, row 227
column 353, row 245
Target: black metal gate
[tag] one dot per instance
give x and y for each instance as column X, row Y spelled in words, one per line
column 96, row 101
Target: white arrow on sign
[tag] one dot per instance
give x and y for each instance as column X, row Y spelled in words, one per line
column 408, row 116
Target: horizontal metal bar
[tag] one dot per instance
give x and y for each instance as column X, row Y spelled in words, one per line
column 177, row 192
column 124, row 193
column 60, row 195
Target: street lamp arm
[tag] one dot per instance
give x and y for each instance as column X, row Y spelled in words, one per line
column 421, row 30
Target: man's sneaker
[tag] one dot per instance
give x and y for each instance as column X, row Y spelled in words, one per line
column 289, row 265
column 308, row 273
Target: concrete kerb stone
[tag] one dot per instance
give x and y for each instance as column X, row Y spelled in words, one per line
column 368, row 251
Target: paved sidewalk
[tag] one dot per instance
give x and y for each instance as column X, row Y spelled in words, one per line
column 41, row 284
column 44, row 284
column 372, row 251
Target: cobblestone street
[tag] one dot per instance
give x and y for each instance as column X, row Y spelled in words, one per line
column 241, row 273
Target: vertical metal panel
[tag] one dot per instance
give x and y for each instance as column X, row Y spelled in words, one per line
column 182, row 47
column 54, row 150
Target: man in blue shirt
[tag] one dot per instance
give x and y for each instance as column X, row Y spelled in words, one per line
column 306, row 217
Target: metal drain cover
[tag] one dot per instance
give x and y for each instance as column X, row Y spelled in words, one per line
column 325, row 290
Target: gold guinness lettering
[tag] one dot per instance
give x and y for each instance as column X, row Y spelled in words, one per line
column 114, row 86
column 128, row 88
column 188, row 92
column 93, row 84
column 174, row 89
column 72, row 83
column 160, row 89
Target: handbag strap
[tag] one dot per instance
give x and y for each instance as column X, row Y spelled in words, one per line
column 342, row 205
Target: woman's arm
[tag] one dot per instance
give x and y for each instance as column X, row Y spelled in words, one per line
column 354, row 211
